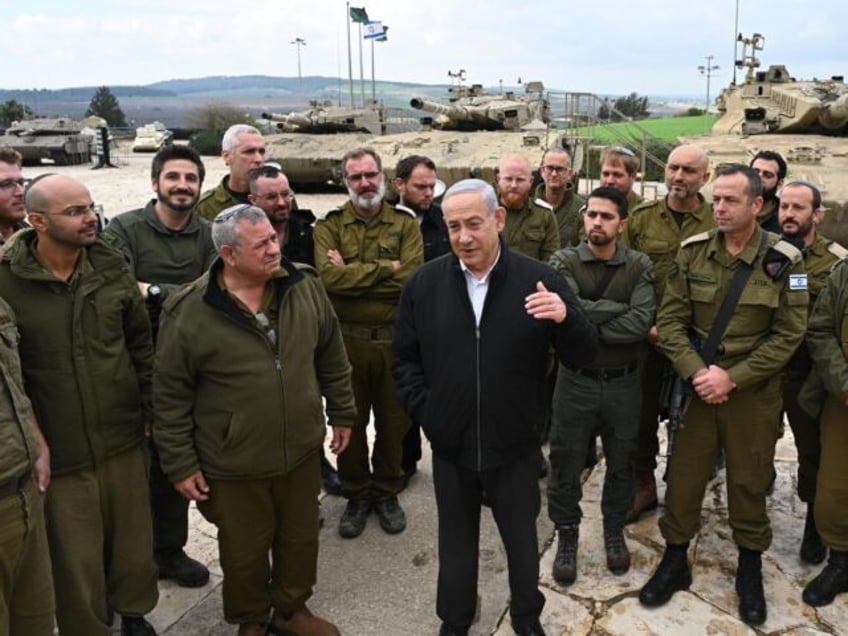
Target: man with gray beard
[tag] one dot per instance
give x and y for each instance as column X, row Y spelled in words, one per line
column 364, row 252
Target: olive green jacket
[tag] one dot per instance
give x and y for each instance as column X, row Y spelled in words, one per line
column 231, row 402
column 366, row 289
column 567, row 213
column 625, row 311
column 85, row 349
column 652, row 230
column 767, row 324
column 216, row 200
column 159, row 255
column 532, row 230
column 18, row 446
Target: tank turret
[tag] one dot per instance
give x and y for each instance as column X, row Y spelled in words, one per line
column 324, row 118
column 63, row 140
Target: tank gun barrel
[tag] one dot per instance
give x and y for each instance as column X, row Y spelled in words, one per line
column 835, row 114
column 452, row 111
column 275, row 117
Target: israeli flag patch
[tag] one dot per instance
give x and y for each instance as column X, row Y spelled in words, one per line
column 797, row 282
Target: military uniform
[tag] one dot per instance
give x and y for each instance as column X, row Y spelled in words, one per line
column 532, row 230
column 604, row 396
column 218, row 199
column 633, row 199
column 653, row 230
column 26, row 588
column 763, row 333
column 567, row 213
column 365, row 292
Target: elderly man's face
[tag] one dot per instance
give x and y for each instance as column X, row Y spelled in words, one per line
column 249, row 153
column 365, row 184
column 472, row 231
column 256, row 255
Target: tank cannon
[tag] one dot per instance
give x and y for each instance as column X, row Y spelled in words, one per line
column 324, row 118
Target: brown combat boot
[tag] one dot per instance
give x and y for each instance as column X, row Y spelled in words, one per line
column 618, row 556
column 645, row 498
column 303, row 623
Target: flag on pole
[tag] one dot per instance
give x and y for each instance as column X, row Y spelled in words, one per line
column 372, row 30
column 384, row 37
column 359, row 15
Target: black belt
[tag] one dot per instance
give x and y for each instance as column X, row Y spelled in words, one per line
column 14, row 485
column 366, row 333
column 607, row 374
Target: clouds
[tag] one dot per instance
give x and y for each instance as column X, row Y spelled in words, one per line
column 610, row 47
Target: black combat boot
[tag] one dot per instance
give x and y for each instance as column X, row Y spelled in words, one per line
column 813, row 550
column 832, row 580
column 618, row 556
column 749, row 587
column 565, row 561
column 671, row 575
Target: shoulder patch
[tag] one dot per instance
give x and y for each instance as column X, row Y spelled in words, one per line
column 543, row 204
column 696, row 238
column 837, row 250
column 788, row 250
column 403, row 208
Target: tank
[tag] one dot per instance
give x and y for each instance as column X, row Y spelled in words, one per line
column 323, row 118
column 471, row 109
column 151, row 137
column 66, row 141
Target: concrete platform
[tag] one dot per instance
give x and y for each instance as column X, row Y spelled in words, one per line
column 385, row 585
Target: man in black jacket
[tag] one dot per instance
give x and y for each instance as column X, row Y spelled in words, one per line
column 470, row 355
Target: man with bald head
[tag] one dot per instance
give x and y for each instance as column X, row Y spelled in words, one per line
column 561, row 194
column 531, row 227
column 657, row 228
column 87, row 356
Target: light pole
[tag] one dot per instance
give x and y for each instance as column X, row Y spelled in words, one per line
column 708, row 71
column 299, row 42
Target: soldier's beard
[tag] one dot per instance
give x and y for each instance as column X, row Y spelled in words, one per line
column 370, row 201
column 769, row 195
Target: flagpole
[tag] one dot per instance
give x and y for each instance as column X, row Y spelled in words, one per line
column 349, row 56
column 373, row 83
column 361, row 67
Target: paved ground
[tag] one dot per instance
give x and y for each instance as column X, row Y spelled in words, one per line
column 385, row 585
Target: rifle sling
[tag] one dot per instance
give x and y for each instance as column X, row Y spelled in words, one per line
column 601, row 287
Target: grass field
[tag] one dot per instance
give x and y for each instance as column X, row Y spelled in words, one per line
column 668, row 129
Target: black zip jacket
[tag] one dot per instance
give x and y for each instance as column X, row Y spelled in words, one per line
column 480, row 394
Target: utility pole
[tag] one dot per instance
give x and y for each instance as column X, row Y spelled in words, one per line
column 708, row 71
column 299, row 42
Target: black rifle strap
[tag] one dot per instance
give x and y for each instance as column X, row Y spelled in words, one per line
column 728, row 306
column 601, row 287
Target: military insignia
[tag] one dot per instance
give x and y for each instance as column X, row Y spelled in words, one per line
column 797, row 282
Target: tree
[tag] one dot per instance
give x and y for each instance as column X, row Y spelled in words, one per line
column 12, row 110
column 631, row 107
column 104, row 104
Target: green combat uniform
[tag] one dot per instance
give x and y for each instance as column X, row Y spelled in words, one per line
column 765, row 329
column 218, row 199
column 26, row 589
column 603, row 397
column 827, row 335
column 365, row 292
column 633, row 199
column 532, row 230
column 653, row 230
column 567, row 213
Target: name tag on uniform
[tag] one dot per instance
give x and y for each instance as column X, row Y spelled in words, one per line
column 797, row 282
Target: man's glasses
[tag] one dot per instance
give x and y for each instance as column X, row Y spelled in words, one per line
column 74, row 211
column 11, row 184
column 554, row 169
column 270, row 197
column 359, row 176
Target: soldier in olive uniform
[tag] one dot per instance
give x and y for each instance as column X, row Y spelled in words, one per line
column 615, row 288
column 771, row 167
column 736, row 398
column 531, row 226
column 168, row 245
column 800, row 213
column 827, row 335
column 561, row 194
column 26, row 589
column 619, row 170
column 12, row 212
column 242, row 149
column 656, row 228
column 364, row 252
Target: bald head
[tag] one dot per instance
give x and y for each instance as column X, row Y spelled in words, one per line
column 45, row 190
column 515, row 161
column 691, row 154
column 686, row 172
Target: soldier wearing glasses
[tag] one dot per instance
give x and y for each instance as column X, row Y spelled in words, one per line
column 240, row 421
column 561, row 194
column 365, row 251
column 87, row 356
column 12, row 212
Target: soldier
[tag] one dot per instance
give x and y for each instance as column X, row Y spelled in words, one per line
column 242, row 148
column 826, row 338
column 415, row 181
column 26, row 589
column 615, row 288
column 87, row 359
column 619, row 169
column 752, row 285
column 168, row 245
column 240, row 420
column 12, row 212
column 800, row 213
column 559, row 192
column 656, row 228
column 270, row 191
column 531, row 227
column 364, row 252
column 771, row 167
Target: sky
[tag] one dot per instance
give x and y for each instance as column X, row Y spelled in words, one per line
column 608, row 47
